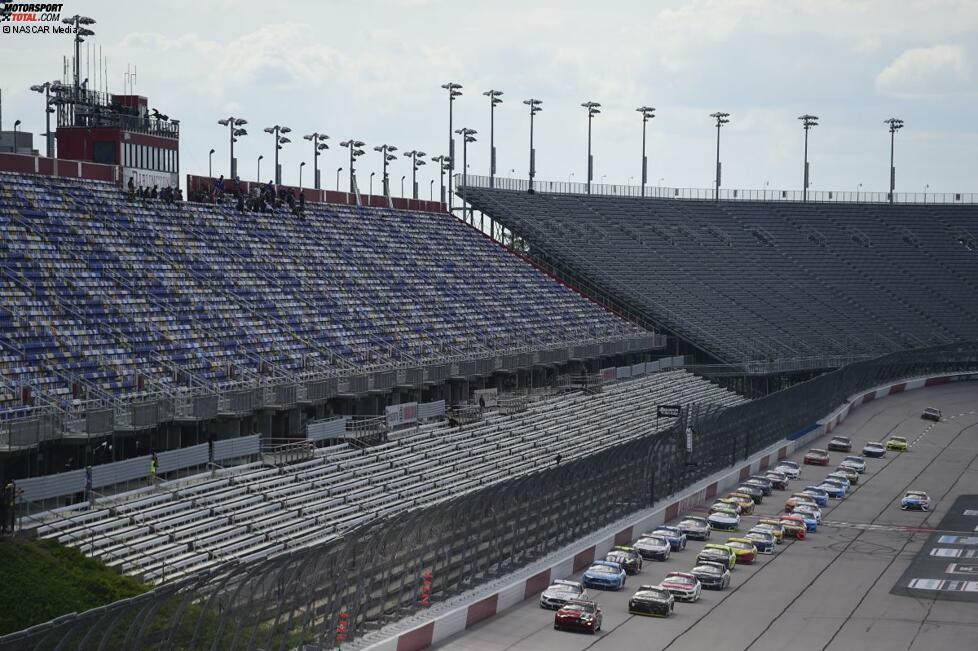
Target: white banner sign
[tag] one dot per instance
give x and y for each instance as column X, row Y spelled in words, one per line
column 486, row 398
column 402, row 414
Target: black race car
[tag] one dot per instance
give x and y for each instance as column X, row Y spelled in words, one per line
column 651, row 600
column 756, row 493
column 840, row 444
column 779, row 481
column 713, row 576
column 762, row 482
column 628, row 557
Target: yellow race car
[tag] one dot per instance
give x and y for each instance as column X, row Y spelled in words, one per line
column 774, row 526
column 897, row 443
column 743, row 500
column 717, row 553
column 728, row 503
column 744, row 549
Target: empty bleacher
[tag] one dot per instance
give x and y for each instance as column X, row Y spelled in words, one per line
column 256, row 511
column 751, row 280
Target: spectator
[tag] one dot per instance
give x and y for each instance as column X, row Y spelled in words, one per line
column 154, row 466
column 179, row 194
column 558, row 458
column 154, row 193
column 140, row 192
column 219, row 187
column 302, row 202
column 132, row 188
column 240, row 202
column 482, row 404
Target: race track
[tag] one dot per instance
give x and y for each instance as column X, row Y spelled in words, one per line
column 831, row 591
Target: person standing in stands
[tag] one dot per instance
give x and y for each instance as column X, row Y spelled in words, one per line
column 154, row 466
column 132, row 188
column 219, row 187
column 154, row 193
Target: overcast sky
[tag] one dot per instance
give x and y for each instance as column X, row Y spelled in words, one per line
column 371, row 69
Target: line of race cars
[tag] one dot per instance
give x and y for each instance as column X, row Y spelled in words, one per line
column 577, row 610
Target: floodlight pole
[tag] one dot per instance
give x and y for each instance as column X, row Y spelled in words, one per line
column 535, row 107
column 454, row 90
column 895, row 125
column 807, row 121
column 647, row 113
column 494, row 99
column 722, row 119
column 592, row 110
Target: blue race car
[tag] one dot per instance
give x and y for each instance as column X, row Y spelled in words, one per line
column 604, row 575
column 834, row 490
column 818, row 493
column 915, row 500
column 811, row 524
column 675, row 536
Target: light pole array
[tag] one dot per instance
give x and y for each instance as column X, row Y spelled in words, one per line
column 444, row 165
column 387, row 152
column 416, row 162
column 301, row 165
column 807, row 121
column 338, row 170
column 318, row 146
column 593, row 108
column 722, row 119
column 48, row 110
column 648, row 113
column 468, row 135
column 494, row 100
column 355, row 152
column 535, row 107
column 454, row 90
column 895, row 125
column 280, row 141
column 234, row 132
column 77, row 21
column 210, row 164
column 258, row 176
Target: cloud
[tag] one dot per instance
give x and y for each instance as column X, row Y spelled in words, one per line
column 932, row 71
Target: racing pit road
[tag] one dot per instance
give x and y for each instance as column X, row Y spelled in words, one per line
column 830, row 591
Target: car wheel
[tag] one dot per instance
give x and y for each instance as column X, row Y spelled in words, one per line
column 556, row 628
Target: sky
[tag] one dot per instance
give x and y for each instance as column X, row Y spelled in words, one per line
column 372, row 70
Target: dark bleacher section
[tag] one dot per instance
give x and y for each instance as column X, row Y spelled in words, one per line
column 747, row 280
column 100, row 297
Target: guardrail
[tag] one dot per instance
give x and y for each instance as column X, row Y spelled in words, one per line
column 374, row 573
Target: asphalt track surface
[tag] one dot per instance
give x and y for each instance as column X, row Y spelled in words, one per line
column 830, row 591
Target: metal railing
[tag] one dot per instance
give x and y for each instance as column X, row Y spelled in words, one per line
column 703, row 194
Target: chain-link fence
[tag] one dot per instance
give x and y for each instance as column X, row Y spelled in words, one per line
column 374, row 574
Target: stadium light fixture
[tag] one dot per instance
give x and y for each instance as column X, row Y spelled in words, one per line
column 895, row 125
column 648, row 112
column 301, row 165
column 454, row 90
column 371, row 192
column 593, row 108
column 77, row 21
column 722, row 119
column 386, row 153
column 16, row 125
column 468, row 135
column 416, row 162
column 494, row 100
column 210, row 164
column 258, row 174
column 807, row 122
column 234, row 132
column 536, row 105
column 338, row 170
column 355, row 152
column 279, row 140
column 443, row 166
column 318, row 146
column 431, row 190
column 45, row 88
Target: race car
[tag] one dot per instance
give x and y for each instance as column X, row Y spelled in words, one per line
column 819, row 494
column 840, row 444
column 856, row 463
column 578, row 615
column 713, row 553
column 779, row 481
column 817, row 457
column 727, row 503
column 794, row 526
column 604, row 575
column 897, row 443
column 695, row 527
column 712, row 576
column 756, row 493
column 628, row 557
column 675, row 536
column 914, row 501
column 762, row 482
column 763, row 540
column 723, row 519
column 931, row 413
column 744, row 550
column 811, row 524
column 560, row 593
column 799, row 498
column 744, row 501
column 683, row 586
column 874, row 450
column 842, row 478
column 834, row 488
column 651, row 601
column 791, row 469
column 653, row 547
column 811, row 510
column 851, row 474
column 774, row 526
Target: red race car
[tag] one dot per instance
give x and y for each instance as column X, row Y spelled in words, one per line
column 578, row 615
column 794, row 526
column 817, row 457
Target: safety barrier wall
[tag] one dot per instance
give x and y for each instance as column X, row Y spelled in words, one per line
column 483, row 533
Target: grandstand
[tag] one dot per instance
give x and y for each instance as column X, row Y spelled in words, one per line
column 255, row 511
column 765, row 285
column 124, row 316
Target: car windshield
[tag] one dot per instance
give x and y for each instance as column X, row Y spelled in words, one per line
column 839, row 439
column 677, row 578
column 654, row 540
column 655, row 593
column 603, row 569
column 853, row 457
column 759, row 535
column 707, row 569
column 736, row 544
column 819, row 453
column 916, row 494
column 789, row 464
column 898, row 439
column 666, row 531
column 874, row 445
column 692, row 523
column 563, row 587
column 581, row 608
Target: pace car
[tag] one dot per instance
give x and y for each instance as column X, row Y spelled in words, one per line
column 818, row 493
column 712, row 576
column 744, row 550
column 651, row 601
column 763, row 540
column 683, row 586
column 579, row 615
column 761, row 481
column 560, row 593
column 723, row 519
column 695, row 527
column 840, row 444
column 779, row 481
column 817, row 457
column 794, row 526
column 811, row 524
column 915, row 500
column 897, row 443
column 855, row 462
column 835, row 489
column 931, row 413
column 756, row 493
column 744, row 501
column 675, row 536
column 874, row 450
column 653, row 547
column 774, row 526
column 789, row 468
column 712, row 553
column 628, row 557
column 604, row 575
